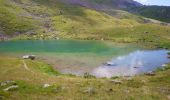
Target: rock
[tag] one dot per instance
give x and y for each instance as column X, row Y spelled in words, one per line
column 169, row 56
column 144, row 81
column 110, row 64
column 110, row 90
column 150, row 73
column 127, row 91
column 88, row 75
column 129, row 78
column 136, row 67
column 116, row 81
column 146, row 32
column 46, row 85
column 1, row 97
column 32, row 57
column 164, row 65
column 90, row 91
column 57, row 38
column 56, row 90
column 7, row 82
column 11, row 88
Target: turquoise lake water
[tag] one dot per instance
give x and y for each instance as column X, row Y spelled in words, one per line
column 78, row 57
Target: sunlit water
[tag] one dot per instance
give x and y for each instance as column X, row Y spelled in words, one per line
column 96, row 57
column 136, row 62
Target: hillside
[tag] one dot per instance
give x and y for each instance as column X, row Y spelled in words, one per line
column 53, row 19
column 108, row 6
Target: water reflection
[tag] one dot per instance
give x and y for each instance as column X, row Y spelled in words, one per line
column 134, row 63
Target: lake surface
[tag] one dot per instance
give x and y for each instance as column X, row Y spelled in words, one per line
column 102, row 59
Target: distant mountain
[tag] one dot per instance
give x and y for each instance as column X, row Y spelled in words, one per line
column 103, row 4
column 161, row 13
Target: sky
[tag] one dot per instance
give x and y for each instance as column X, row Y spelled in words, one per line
column 155, row 2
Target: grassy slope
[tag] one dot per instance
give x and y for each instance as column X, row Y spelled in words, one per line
column 64, row 87
column 68, row 21
column 12, row 19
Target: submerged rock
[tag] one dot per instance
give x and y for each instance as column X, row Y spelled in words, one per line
column 169, row 56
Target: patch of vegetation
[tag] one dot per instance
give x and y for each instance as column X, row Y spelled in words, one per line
column 40, row 66
column 134, row 83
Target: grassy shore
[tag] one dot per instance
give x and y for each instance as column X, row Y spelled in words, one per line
column 32, row 79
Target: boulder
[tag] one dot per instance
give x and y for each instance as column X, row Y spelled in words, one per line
column 164, row 65
column 116, row 81
column 46, row 85
column 11, row 88
column 90, row 91
column 7, row 83
column 32, row 57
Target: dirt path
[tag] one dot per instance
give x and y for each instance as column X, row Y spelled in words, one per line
column 25, row 66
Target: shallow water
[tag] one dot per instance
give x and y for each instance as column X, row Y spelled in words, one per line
column 78, row 57
column 136, row 62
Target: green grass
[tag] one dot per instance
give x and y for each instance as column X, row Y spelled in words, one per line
column 12, row 19
column 65, row 86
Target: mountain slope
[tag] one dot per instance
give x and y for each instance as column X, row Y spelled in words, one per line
column 156, row 12
column 103, row 4
column 50, row 19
